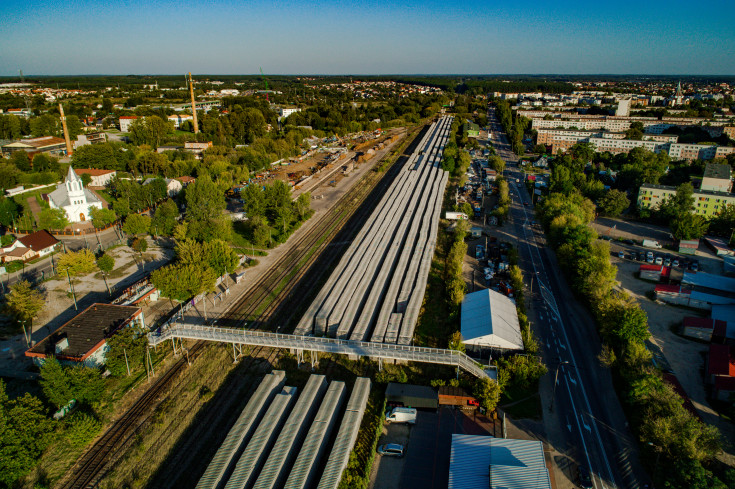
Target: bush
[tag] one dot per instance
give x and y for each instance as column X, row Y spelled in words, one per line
column 76, row 263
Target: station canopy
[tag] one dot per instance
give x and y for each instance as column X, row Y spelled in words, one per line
column 490, row 320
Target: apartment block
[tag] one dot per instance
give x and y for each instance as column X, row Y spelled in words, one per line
column 707, row 203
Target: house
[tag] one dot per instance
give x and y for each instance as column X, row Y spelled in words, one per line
column 197, row 148
column 178, row 119
column 19, row 253
column 173, row 186
column 41, row 242
column 126, row 121
column 90, row 138
column 73, row 198
column 46, row 144
column 186, row 180
column 100, row 178
column 83, row 339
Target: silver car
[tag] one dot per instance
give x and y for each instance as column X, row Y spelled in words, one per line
column 391, row 450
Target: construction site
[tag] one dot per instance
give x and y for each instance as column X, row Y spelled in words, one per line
column 376, row 290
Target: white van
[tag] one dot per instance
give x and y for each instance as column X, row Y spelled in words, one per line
column 401, row 415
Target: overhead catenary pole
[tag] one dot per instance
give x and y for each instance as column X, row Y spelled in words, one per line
column 66, row 131
column 193, row 104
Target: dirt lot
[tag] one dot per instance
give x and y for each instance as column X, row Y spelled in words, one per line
column 684, row 356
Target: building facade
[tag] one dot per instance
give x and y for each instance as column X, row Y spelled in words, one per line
column 707, row 203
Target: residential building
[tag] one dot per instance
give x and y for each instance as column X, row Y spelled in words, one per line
column 41, row 242
column 729, row 131
column 126, row 121
column 24, row 113
column 173, row 186
column 19, row 253
column 73, row 198
column 717, row 178
column 284, row 112
column 706, row 202
column 83, row 340
column 186, row 180
column 100, row 178
column 45, row 144
column 197, row 148
column 178, row 119
column 623, row 109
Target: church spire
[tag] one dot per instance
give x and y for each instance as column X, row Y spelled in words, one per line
column 678, row 90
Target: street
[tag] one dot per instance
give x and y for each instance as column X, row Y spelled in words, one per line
column 582, row 414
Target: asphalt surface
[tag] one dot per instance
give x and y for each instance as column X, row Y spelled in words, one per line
column 583, row 405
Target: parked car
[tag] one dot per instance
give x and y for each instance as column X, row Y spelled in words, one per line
column 391, row 450
column 659, row 260
column 694, row 266
column 675, row 262
column 621, row 254
column 667, row 262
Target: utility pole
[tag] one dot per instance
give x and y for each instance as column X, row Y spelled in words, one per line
column 193, row 104
column 71, row 289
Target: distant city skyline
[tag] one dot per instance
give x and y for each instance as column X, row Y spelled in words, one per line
column 367, row 37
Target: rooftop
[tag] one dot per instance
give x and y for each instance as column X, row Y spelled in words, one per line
column 490, row 319
column 40, row 240
column 718, row 171
column 86, row 332
column 721, row 360
column 93, row 172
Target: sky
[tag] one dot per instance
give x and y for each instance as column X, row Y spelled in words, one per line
column 367, row 37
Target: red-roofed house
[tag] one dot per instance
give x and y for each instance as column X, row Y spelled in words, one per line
column 701, row 328
column 42, row 242
column 100, row 178
column 186, row 180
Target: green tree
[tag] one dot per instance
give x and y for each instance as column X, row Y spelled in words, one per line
column 52, row 219
column 43, row 162
column 302, row 205
column 635, row 131
column 23, row 302
column 81, row 262
column 140, row 245
column 102, row 217
column 688, row 226
column 106, row 264
column 8, row 211
column 487, row 393
column 25, row 432
column 136, row 224
column 722, row 224
column 456, row 343
column 21, row 160
column 86, row 179
column 164, row 219
column 8, row 175
column 181, row 282
column 253, row 201
column 205, row 202
column 130, row 342
column 54, row 383
column 613, row 203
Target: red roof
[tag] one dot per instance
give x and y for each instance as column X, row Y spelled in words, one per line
column 652, row 268
column 720, row 328
column 692, row 322
column 186, row 179
column 40, row 240
column 128, row 117
column 721, row 360
column 665, row 272
column 93, row 172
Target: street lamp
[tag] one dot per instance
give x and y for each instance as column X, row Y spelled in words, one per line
column 556, row 378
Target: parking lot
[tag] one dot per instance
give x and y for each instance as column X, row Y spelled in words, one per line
column 428, row 445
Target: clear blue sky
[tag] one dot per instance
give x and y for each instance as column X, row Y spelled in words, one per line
column 367, row 37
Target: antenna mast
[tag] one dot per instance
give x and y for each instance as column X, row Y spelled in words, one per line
column 193, row 104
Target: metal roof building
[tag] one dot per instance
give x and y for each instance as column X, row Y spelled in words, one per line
column 490, row 320
column 497, row 463
column 710, row 281
column 415, row 396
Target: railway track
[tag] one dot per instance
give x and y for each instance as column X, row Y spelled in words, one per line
column 254, row 309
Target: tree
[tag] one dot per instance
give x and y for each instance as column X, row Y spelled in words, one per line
column 140, row 245
column 220, row 257
column 8, row 175
column 487, row 393
column 613, row 203
column 302, row 205
column 25, row 432
column 127, row 349
column 164, row 219
column 722, row 224
column 688, row 226
column 253, row 201
column 102, row 217
column 204, row 205
column 497, row 164
column 180, row 282
column 23, row 302
column 136, row 224
column 635, row 131
column 80, row 262
column 106, row 264
column 86, row 179
column 21, row 161
column 8, row 211
column 455, row 342
column 44, row 162
column 52, row 219
column 54, row 383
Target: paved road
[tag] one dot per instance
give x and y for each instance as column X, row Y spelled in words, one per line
column 583, row 405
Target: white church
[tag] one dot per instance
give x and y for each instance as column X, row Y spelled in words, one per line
column 73, row 198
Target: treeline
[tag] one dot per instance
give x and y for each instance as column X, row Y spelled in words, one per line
column 514, row 125
column 665, row 428
column 272, row 215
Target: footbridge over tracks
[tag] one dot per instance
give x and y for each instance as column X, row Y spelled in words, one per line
column 300, row 344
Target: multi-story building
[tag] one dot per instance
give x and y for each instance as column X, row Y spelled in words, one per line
column 126, row 121
column 717, row 177
column 45, row 144
column 178, row 119
column 707, row 203
column 284, row 112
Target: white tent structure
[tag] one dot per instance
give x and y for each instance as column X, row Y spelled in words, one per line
column 490, row 320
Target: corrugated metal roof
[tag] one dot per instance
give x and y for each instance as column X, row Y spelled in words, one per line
column 490, row 319
column 497, row 463
column 724, row 313
column 709, row 280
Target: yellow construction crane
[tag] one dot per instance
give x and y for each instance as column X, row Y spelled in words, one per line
column 193, row 104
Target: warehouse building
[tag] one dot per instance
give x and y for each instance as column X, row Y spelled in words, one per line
column 490, row 321
column 497, row 463
column 414, row 396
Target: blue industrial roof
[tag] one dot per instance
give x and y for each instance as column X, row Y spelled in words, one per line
column 709, row 280
column 497, row 463
column 724, row 313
